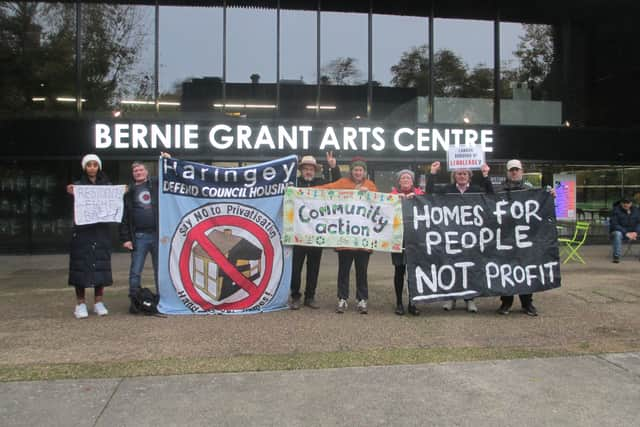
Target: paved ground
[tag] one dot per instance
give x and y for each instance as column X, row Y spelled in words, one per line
column 595, row 313
column 574, row 391
column 596, row 310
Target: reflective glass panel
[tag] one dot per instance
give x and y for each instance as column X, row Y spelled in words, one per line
column 344, row 65
column 527, row 80
column 400, row 68
column 37, row 58
column 251, row 62
column 463, row 71
column 117, row 58
column 298, row 64
column 190, row 77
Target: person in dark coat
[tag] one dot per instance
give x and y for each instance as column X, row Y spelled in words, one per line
column 515, row 182
column 308, row 169
column 461, row 183
column 624, row 224
column 90, row 253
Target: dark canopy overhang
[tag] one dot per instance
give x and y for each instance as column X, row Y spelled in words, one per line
column 534, row 11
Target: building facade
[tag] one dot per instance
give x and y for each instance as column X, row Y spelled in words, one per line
column 235, row 82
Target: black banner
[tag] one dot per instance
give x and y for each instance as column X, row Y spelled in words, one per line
column 472, row 245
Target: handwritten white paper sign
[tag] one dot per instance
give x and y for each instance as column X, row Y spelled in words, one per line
column 97, row 203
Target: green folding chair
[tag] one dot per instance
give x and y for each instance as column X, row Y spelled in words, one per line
column 571, row 246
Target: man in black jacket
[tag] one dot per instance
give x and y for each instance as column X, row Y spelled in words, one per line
column 139, row 226
column 308, row 168
column 514, row 182
column 624, row 224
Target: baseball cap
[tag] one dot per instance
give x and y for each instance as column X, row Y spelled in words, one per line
column 514, row 163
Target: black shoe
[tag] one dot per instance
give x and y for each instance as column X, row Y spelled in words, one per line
column 133, row 309
column 504, row 310
column 413, row 310
column 311, row 303
column 399, row 310
column 530, row 310
column 616, row 260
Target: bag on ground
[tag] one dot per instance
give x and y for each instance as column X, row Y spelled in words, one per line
column 145, row 301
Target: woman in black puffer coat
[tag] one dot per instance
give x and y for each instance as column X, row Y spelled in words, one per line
column 90, row 253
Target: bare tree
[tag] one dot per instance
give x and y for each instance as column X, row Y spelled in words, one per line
column 342, row 71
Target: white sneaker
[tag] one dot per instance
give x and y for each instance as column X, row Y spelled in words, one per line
column 342, row 306
column 362, row 306
column 100, row 309
column 471, row 307
column 81, row 311
column 449, row 305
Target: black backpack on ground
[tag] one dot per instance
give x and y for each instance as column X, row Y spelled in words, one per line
column 145, row 301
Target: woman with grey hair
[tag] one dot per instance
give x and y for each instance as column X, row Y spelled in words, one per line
column 405, row 189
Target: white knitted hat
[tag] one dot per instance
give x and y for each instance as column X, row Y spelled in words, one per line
column 88, row 158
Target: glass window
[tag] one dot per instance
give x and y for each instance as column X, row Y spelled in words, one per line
column 400, row 68
column 51, row 208
column 190, row 76
column 528, row 76
column 344, row 65
column 37, row 58
column 36, row 214
column 117, row 58
column 251, row 62
column 298, row 64
column 14, row 208
column 598, row 188
column 463, row 71
column 251, row 45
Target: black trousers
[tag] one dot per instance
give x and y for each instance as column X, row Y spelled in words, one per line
column 525, row 300
column 398, row 282
column 361, row 260
column 313, row 256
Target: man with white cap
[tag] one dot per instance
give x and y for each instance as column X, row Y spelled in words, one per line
column 515, row 181
column 309, row 167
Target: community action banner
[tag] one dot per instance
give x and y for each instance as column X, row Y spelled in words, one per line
column 471, row 245
column 97, row 203
column 343, row 218
column 220, row 237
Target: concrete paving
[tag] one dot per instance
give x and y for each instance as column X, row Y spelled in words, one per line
column 600, row 390
column 596, row 311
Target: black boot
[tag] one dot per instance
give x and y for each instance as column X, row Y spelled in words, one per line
column 399, row 309
column 412, row 309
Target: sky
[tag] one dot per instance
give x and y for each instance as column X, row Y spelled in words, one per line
column 191, row 42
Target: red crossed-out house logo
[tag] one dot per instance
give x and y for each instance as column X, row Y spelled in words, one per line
column 226, row 257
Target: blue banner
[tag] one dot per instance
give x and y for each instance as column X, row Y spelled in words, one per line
column 221, row 250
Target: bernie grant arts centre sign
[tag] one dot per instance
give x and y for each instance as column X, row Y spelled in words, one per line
column 274, row 141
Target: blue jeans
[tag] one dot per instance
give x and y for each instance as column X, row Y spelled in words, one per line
column 616, row 239
column 143, row 243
